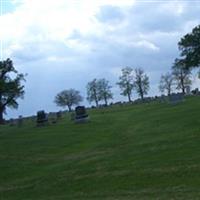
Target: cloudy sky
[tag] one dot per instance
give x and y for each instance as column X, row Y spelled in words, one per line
column 63, row 44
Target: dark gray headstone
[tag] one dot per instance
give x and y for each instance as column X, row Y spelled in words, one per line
column 80, row 114
column 41, row 118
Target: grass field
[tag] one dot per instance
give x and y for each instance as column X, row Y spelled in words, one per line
column 148, row 151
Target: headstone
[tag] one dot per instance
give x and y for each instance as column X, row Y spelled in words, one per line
column 176, row 98
column 195, row 91
column 80, row 114
column 20, row 121
column 42, row 118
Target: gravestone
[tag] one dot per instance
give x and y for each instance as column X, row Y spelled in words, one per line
column 20, row 121
column 195, row 91
column 176, row 98
column 80, row 114
column 42, row 118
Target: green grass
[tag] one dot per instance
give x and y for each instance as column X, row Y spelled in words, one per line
column 149, row 151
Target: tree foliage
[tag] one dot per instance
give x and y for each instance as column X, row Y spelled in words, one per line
column 99, row 90
column 189, row 46
column 92, row 92
column 104, row 90
column 166, row 83
column 141, row 82
column 181, row 76
column 68, row 98
column 11, row 87
column 126, row 82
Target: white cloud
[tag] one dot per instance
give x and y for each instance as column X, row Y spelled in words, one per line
column 146, row 44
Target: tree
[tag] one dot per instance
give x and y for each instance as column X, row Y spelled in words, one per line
column 11, row 87
column 126, row 82
column 92, row 92
column 166, row 83
column 104, row 90
column 141, row 83
column 189, row 46
column 68, row 98
column 181, row 76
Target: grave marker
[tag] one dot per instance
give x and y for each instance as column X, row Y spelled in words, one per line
column 80, row 114
column 42, row 118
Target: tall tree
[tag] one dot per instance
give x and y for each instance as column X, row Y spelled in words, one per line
column 166, row 83
column 181, row 76
column 68, row 98
column 189, row 46
column 92, row 92
column 126, row 82
column 104, row 90
column 11, row 87
column 141, row 82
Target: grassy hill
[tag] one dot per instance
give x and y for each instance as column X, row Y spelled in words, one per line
column 148, row 151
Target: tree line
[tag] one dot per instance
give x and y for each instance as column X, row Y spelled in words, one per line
column 100, row 89
column 12, row 88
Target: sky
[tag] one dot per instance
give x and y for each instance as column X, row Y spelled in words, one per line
column 65, row 44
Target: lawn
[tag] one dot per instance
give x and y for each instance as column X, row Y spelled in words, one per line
column 146, row 151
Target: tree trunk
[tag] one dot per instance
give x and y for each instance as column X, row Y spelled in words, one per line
column 1, row 117
column 1, row 110
column 129, row 97
column 182, row 83
column 69, row 108
column 183, row 90
column 141, row 93
column 97, row 104
column 105, row 99
column 183, row 87
column 142, row 96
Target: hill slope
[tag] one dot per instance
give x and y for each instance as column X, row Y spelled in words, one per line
column 149, row 151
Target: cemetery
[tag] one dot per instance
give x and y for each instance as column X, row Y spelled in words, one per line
column 126, row 152
column 105, row 106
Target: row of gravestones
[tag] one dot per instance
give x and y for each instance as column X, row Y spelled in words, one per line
column 80, row 116
column 42, row 118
